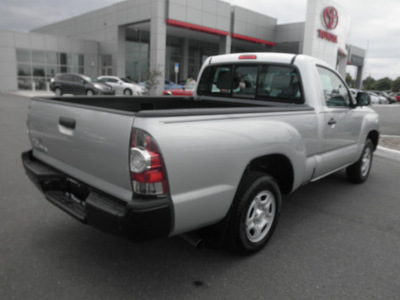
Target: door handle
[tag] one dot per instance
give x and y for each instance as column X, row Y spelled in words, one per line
column 331, row 122
column 67, row 122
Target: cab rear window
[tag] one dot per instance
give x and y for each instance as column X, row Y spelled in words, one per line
column 252, row 81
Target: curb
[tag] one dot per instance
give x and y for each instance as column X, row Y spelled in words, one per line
column 388, row 152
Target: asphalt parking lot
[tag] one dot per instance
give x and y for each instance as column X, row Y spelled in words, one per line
column 335, row 240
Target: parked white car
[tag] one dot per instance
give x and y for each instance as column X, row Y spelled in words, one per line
column 124, row 86
column 377, row 99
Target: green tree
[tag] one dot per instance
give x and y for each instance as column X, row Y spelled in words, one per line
column 152, row 80
column 349, row 80
column 368, row 83
column 396, row 85
column 382, row 84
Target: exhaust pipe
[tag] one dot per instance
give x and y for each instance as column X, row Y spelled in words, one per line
column 193, row 239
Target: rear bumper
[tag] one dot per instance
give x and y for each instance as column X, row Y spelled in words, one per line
column 139, row 220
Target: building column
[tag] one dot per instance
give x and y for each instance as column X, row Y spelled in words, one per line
column 158, row 42
column 225, row 43
column 121, row 56
column 359, row 78
column 185, row 59
column 342, row 64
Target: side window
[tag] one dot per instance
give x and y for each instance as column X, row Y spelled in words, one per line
column 279, row 83
column 335, row 91
column 245, row 81
column 76, row 79
column 67, row 77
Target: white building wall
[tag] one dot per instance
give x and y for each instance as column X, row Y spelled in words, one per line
column 322, row 48
column 10, row 41
column 253, row 24
column 208, row 13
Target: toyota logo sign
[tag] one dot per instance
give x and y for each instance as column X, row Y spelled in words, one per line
column 330, row 17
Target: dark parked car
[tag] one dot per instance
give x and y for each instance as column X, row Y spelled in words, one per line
column 77, row 84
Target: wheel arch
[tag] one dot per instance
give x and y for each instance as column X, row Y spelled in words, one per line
column 374, row 137
column 278, row 166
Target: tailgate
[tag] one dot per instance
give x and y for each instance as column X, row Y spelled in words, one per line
column 89, row 144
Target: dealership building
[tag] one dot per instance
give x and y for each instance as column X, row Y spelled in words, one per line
column 171, row 38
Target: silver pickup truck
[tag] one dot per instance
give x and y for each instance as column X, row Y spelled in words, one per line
column 258, row 126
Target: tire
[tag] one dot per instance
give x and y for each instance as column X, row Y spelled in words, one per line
column 254, row 214
column 359, row 171
column 58, row 92
column 89, row 93
column 127, row 92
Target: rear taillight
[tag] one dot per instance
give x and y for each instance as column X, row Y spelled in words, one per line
column 146, row 165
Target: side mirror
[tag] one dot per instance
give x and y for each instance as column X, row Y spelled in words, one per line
column 363, row 99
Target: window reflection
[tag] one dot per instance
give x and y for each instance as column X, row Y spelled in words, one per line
column 35, row 68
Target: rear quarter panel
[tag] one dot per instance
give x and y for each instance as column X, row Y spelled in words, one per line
column 206, row 156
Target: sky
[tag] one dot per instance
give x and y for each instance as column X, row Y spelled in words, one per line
column 375, row 24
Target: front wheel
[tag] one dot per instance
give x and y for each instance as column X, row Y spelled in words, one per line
column 359, row 171
column 89, row 93
column 127, row 92
column 254, row 214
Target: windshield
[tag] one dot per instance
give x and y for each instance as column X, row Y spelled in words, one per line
column 87, row 78
column 126, row 80
column 90, row 79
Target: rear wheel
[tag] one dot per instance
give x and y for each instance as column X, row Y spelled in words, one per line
column 254, row 214
column 359, row 171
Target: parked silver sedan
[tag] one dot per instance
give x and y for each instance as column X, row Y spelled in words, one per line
column 124, row 86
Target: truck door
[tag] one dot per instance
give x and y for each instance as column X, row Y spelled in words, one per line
column 341, row 123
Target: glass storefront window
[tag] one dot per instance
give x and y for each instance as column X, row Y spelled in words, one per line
column 198, row 52
column 38, row 57
column 24, row 70
column 39, row 83
column 52, row 70
column 52, row 58
column 73, row 59
column 173, row 55
column 63, row 58
column 137, row 52
column 136, row 61
column 38, row 70
column 24, row 83
column 23, row 55
column 81, row 60
column 35, row 67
